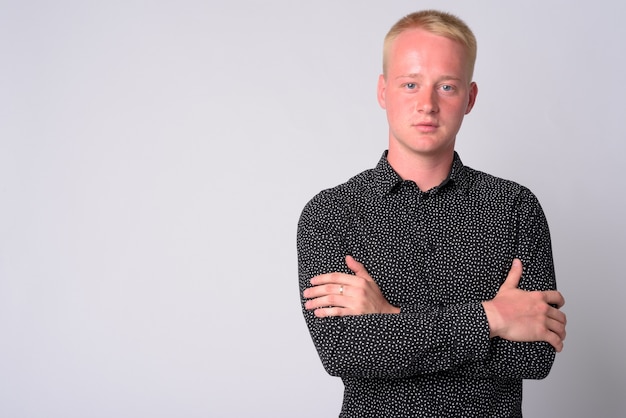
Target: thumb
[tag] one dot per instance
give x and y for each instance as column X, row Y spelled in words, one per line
column 513, row 278
column 356, row 267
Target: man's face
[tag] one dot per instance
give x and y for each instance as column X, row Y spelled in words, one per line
column 426, row 93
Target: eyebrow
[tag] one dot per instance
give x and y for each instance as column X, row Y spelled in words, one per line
column 417, row 75
column 411, row 75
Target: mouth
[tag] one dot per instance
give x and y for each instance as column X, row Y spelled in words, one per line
column 426, row 127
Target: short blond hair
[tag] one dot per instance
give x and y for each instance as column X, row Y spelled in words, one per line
column 437, row 23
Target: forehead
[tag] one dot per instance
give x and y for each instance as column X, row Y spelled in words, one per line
column 423, row 49
column 423, row 40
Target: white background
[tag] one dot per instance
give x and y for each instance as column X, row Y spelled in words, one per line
column 155, row 157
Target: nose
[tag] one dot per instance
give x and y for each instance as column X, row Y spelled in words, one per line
column 426, row 101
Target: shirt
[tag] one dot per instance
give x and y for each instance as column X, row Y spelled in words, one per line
column 436, row 255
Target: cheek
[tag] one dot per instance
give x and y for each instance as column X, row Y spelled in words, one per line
column 399, row 105
column 456, row 110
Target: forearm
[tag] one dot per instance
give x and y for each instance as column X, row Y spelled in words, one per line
column 532, row 359
column 401, row 345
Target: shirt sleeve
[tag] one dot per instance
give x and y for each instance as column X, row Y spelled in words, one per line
column 528, row 360
column 419, row 340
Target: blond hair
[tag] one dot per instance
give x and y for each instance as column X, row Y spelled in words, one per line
column 437, row 23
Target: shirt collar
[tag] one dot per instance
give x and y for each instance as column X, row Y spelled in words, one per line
column 386, row 178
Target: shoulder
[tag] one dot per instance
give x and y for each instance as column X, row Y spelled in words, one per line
column 490, row 187
column 339, row 200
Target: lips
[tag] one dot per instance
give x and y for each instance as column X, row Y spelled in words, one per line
column 426, row 126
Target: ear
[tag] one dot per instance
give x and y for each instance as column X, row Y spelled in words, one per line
column 472, row 97
column 381, row 89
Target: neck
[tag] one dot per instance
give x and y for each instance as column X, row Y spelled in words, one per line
column 427, row 171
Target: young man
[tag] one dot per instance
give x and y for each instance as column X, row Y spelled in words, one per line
column 411, row 273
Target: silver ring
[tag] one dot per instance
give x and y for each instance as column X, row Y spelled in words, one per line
column 341, row 289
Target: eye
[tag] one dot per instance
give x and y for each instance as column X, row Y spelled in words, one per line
column 448, row 88
column 410, row 86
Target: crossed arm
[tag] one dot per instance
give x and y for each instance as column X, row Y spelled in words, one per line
column 513, row 314
column 359, row 333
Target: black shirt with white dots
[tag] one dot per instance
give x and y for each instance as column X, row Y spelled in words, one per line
column 436, row 255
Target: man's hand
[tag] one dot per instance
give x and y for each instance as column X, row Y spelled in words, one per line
column 339, row 294
column 519, row 315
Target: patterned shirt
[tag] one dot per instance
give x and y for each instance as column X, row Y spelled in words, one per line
column 436, row 255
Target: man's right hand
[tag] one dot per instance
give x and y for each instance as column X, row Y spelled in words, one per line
column 519, row 315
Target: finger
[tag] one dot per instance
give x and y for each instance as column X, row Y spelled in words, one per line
column 325, row 301
column 323, row 290
column 554, row 297
column 330, row 311
column 555, row 341
column 356, row 267
column 515, row 273
column 557, row 315
column 556, row 327
column 335, row 277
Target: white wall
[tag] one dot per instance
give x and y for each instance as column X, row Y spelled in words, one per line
column 155, row 156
